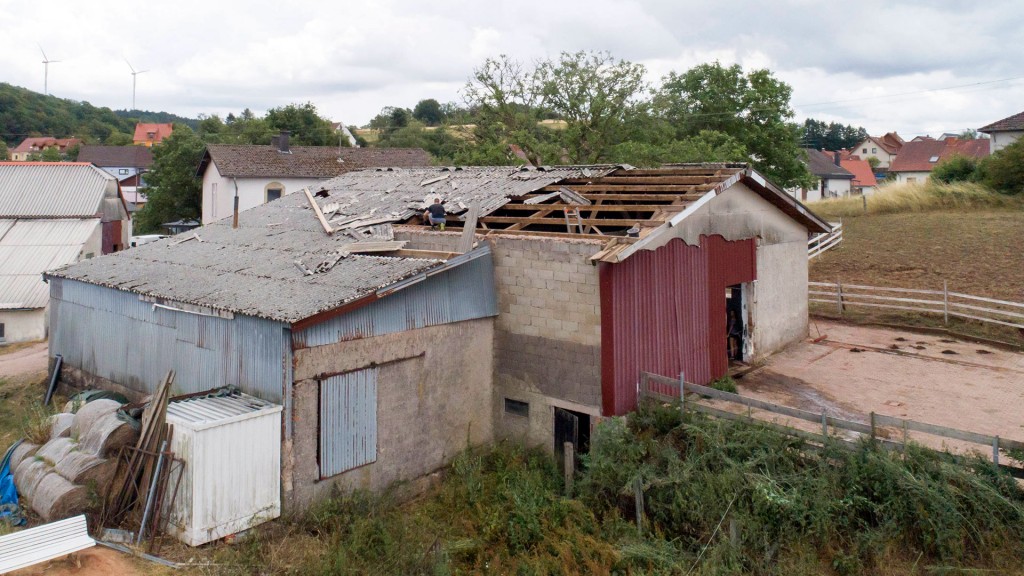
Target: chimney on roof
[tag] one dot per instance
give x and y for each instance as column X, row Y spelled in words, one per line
column 282, row 142
column 835, row 158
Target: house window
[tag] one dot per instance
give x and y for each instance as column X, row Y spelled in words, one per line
column 874, row 150
column 274, row 190
column 516, row 407
column 348, row 422
column 122, row 171
column 213, row 200
column 911, row 179
column 1, row 332
column 864, row 151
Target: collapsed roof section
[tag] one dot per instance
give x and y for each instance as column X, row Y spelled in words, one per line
column 620, row 204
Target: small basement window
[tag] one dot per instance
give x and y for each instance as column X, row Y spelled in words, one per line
column 1, row 332
column 516, row 407
column 273, row 191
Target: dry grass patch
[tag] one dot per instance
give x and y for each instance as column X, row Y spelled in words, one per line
column 913, row 198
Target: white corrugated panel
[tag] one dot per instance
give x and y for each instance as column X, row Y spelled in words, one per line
column 52, row 189
column 30, row 247
column 42, row 543
column 232, row 473
column 23, row 291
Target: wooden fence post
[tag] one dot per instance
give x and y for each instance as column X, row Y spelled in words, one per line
column 873, row 427
column 904, row 439
column 645, row 386
column 824, row 424
column 995, row 451
column 945, row 302
column 865, row 204
column 839, row 296
column 569, row 451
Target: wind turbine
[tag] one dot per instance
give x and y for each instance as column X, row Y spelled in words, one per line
column 134, row 74
column 46, row 71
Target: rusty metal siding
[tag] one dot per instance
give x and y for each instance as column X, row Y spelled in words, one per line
column 112, row 334
column 465, row 292
column 348, row 421
column 663, row 311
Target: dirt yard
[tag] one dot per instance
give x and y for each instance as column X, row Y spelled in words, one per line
column 856, row 370
column 23, row 360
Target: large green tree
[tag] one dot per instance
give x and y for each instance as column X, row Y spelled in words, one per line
column 429, row 112
column 174, row 191
column 305, row 123
column 831, row 136
column 751, row 107
column 1004, row 170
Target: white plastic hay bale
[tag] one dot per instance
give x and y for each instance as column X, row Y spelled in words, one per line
column 87, row 470
column 60, row 424
column 23, row 451
column 107, row 435
column 87, row 415
column 55, row 498
column 55, row 450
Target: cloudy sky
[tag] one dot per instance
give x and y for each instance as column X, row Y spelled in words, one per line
column 919, row 67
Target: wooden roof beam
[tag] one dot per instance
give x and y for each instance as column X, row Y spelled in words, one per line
column 560, row 221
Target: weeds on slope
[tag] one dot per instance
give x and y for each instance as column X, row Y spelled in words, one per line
column 746, row 500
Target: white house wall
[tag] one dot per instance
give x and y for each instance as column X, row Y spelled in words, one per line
column 1001, row 140
column 23, row 325
column 909, row 177
column 219, row 192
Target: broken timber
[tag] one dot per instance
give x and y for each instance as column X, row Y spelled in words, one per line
column 319, row 213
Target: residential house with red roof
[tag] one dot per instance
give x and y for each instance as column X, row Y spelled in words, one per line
column 260, row 174
column 36, row 145
column 1004, row 132
column 884, row 148
column 151, row 134
column 834, row 181
column 918, row 158
column 864, row 182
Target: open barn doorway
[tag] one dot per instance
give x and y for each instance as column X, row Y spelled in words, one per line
column 573, row 427
column 736, row 322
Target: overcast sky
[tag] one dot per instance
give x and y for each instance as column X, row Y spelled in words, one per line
column 917, row 67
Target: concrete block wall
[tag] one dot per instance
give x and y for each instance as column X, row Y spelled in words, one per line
column 547, row 336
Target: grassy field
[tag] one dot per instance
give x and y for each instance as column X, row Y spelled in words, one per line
column 918, row 237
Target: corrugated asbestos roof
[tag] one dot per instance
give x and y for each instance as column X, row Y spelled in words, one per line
column 252, row 161
column 215, row 408
column 402, row 194
column 30, row 247
column 52, row 189
column 251, row 270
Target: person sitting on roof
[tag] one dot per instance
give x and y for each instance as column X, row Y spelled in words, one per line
column 435, row 214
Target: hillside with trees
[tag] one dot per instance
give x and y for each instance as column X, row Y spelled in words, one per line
column 24, row 113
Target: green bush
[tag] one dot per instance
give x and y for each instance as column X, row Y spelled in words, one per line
column 956, row 169
column 1004, row 170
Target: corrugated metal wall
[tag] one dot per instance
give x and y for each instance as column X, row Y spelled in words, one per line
column 112, row 334
column 663, row 311
column 348, row 421
column 465, row 292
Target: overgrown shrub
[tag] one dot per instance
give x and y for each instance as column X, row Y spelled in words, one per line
column 956, row 168
column 1004, row 170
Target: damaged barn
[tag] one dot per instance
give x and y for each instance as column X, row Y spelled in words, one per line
column 391, row 345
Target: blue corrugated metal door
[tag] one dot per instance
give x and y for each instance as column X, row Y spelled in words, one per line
column 348, row 421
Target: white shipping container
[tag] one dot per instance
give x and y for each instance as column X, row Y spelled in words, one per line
column 231, row 447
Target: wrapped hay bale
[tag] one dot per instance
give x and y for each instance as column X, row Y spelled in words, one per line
column 23, row 451
column 87, row 470
column 60, row 424
column 87, row 415
column 55, row 450
column 28, row 475
column 55, row 498
column 107, row 434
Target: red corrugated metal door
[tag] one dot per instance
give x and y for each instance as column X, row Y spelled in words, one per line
column 663, row 311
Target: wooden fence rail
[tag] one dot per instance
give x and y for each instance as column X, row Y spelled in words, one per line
column 825, row 241
column 665, row 389
column 939, row 302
